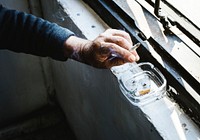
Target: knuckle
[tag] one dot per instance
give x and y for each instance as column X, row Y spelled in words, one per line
column 120, row 40
column 126, row 35
column 101, row 34
column 109, row 30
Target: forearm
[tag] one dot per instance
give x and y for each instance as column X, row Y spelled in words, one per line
column 21, row 32
column 26, row 33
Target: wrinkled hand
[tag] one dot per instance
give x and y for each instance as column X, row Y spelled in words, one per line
column 111, row 48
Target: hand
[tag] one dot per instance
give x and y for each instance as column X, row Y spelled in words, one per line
column 110, row 48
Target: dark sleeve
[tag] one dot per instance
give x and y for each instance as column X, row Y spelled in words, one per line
column 21, row 32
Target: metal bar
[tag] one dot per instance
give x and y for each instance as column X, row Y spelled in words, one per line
column 157, row 8
column 183, row 23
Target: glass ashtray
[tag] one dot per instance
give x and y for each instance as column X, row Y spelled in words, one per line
column 142, row 83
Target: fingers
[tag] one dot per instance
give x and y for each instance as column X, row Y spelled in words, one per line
column 119, row 52
column 120, row 44
column 115, row 62
column 120, row 41
column 137, row 57
column 115, row 32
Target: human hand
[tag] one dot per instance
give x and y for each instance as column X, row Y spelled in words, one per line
column 111, row 48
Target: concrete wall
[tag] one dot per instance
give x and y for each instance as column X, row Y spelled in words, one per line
column 96, row 108
column 23, row 78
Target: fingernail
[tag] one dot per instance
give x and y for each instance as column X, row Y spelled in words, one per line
column 132, row 58
column 137, row 58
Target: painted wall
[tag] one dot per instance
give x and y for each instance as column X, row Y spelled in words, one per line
column 23, row 78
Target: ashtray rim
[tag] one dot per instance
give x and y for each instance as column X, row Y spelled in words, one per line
column 160, row 91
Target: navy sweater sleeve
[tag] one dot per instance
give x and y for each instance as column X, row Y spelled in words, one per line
column 21, row 32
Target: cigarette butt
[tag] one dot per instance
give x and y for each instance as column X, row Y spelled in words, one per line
column 135, row 47
column 144, row 91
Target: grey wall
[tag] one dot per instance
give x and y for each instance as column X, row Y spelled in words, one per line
column 96, row 108
column 23, row 78
column 18, row 5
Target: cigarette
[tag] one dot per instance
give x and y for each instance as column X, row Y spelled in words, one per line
column 134, row 47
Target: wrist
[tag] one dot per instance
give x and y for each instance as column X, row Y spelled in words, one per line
column 75, row 48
